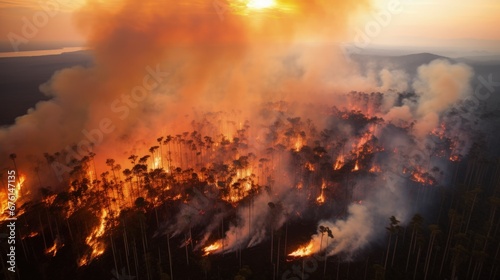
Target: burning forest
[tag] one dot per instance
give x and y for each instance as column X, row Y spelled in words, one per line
column 226, row 140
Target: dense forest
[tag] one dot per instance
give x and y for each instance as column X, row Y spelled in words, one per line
column 231, row 199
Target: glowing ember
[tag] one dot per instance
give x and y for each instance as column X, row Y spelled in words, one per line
column 454, row 157
column 298, row 144
column 157, row 162
column 53, row 250
column 339, row 163
column 212, row 248
column 32, row 234
column 309, row 166
column 422, row 178
column 303, row 251
column 17, row 194
column 49, row 199
column 356, row 167
column 375, row 169
column 321, row 198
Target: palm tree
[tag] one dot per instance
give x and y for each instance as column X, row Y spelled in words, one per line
column 459, row 253
column 455, row 220
column 392, row 229
column 132, row 159
column 416, row 224
column 272, row 206
column 167, row 140
column 397, row 230
column 13, row 158
column 153, row 150
column 473, row 193
column 92, row 157
column 420, row 242
column 111, row 163
column 160, row 142
column 330, row 235
column 434, row 232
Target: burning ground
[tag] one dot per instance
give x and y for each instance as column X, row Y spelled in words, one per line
column 212, row 133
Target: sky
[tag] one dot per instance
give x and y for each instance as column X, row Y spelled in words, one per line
column 463, row 24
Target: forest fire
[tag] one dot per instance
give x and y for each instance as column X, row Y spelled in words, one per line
column 212, row 248
column 239, row 122
column 339, row 163
column 375, row 169
column 420, row 177
column 356, row 167
column 55, row 247
column 321, row 198
column 303, row 251
column 7, row 197
column 93, row 241
column 239, row 175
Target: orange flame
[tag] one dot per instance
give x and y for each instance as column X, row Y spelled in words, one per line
column 321, row 198
column 303, row 251
column 375, row 169
column 455, row 158
column 53, row 250
column 298, row 144
column 356, row 167
column 93, row 241
column 212, row 248
column 339, row 163
column 4, row 199
column 309, row 166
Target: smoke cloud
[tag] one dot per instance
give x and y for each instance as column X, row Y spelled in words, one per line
column 160, row 64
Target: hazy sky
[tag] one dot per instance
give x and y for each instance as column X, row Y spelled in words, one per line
column 469, row 24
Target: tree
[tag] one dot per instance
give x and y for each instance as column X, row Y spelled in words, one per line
column 13, row 158
column 420, row 242
column 434, row 232
column 272, row 206
column 416, row 225
column 397, row 230
column 455, row 221
column 471, row 195
column 392, row 229
column 160, row 142
column 323, row 230
column 111, row 163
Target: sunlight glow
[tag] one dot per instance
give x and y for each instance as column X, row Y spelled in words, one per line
column 260, row 4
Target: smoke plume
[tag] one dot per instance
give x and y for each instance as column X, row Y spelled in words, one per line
column 158, row 65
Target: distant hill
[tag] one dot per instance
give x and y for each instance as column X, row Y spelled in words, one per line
column 482, row 65
column 20, row 78
column 408, row 63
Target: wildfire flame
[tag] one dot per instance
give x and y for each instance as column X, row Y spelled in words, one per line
column 53, row 250
column 339, row 163
column 356, row 167
column 321, row 198
column 309, row 166
column 303, row 251
column 375, row 169
column 298, row 144
column 93, row 241
column 17, row 193
column 454, row 158
column 212, row 248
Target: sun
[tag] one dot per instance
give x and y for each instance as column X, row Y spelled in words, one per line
column 260, row 4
